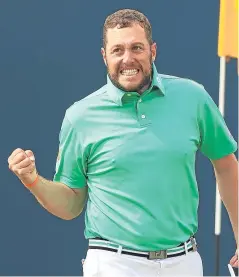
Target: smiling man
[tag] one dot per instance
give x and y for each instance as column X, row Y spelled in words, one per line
column 128, row 55
column 129, row 150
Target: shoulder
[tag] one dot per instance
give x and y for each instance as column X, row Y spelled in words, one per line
column 179, row 82
column 79, row 109
column 183, row 86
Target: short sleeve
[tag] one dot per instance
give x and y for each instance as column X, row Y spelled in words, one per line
column 70, row 165
column 216, row 139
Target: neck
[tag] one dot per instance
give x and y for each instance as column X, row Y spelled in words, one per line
column 145, row 86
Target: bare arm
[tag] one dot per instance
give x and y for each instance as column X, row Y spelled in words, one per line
column 59, row 199
column 226, row 172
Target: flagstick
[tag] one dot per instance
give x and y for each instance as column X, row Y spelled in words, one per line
column 218, row 208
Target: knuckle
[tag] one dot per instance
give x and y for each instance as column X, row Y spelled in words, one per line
column 28, row 163
column 21, row 155
column 16, row 151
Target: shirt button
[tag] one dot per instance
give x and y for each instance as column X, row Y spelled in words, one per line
column 143, row 116
column 129, row 94
column 140, row 100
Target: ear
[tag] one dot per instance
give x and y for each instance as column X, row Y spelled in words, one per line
column 154, row 51
column 103, row 55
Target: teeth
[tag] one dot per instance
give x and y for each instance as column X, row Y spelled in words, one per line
column 129, row 72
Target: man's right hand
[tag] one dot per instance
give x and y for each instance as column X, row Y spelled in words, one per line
column 22, row 163
column 56, row 197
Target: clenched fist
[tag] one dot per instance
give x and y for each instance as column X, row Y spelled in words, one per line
column 22, row 163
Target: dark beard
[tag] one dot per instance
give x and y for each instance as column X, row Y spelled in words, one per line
column 142, row 86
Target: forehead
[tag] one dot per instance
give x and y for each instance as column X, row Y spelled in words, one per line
column 126, row 35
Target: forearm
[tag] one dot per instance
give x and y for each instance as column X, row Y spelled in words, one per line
column 57, row 198
column 228, row 188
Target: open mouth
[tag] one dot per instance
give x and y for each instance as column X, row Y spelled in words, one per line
column 129, row 72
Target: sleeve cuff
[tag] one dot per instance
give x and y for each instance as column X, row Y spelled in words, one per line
column 68, row 182
column 228, row 151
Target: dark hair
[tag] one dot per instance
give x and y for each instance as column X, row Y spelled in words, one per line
column 126, row 18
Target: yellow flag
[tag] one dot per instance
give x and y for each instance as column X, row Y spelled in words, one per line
column 228, row 29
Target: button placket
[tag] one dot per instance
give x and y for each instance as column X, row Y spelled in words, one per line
column 142, row 116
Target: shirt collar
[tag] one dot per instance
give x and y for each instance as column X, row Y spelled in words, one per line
column 117, row 94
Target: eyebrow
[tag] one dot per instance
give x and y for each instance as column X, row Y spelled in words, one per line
column 134, row 43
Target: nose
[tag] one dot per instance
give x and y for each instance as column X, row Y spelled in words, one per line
column 128, row 56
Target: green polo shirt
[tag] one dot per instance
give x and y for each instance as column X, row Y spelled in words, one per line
column 136, row 154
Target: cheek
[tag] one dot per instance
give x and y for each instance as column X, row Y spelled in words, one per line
column 147, row 65
column 113, row 66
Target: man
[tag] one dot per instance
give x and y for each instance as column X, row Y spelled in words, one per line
column 129, row 148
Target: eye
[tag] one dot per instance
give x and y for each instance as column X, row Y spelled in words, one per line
column 116, row 51
column 137, row 48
